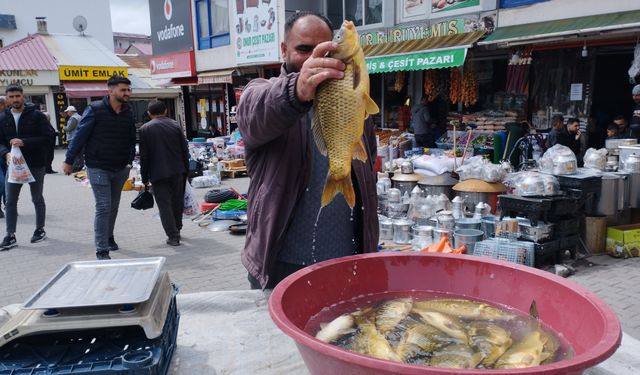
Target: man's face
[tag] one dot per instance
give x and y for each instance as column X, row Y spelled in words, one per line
column 306, row 33
column 120, row 92
column 636, row 98
column 621, row 123
column 15, row 99
column 573, row 127
column 611, row 133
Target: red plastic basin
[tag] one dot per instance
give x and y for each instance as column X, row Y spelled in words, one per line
column 587, row 323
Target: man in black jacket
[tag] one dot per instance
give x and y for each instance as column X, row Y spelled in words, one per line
column 108, row 134
column 164, row 160
column 26, row 127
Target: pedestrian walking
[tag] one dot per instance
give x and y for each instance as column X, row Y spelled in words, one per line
column 51, row 147
column 421, row 121
column 3, row 166
column 164, row 161
column 108, row 136
column 286, row 229
column 70, row 128
column 23, row 125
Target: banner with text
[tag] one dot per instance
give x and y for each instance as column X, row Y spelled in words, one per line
column 257, row 32
column 90, row 73
column 416, row 61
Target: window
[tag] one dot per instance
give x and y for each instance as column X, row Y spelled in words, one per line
column 212, row 21
column 361, row 12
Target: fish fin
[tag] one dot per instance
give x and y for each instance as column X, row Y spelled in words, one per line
column 533, row 310
column 333, row 187
column 356, row 76
column 316, row 129
column 370, row 107
column 359, row 151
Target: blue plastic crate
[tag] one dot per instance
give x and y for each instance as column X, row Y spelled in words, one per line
column 105, row 351
column 227, row 215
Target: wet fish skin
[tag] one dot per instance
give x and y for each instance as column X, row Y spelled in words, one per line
column 464, row 309
column 489, row 339
column 526, row 353
column 339, row 110
column 456, row 356
column 337, row 328
column 371, row 342
column 418, row 338
column 391, row 313
column 445, row 323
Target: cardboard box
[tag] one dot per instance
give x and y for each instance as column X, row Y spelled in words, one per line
column 623, row 241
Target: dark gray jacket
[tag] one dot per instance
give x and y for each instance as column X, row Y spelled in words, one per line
column 278, row 156
column 164, row 150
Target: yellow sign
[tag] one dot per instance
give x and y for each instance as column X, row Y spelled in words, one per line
column 91, row 73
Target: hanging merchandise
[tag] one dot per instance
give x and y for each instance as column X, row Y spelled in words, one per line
column 456, row 85
column 469, row 86
column 518, row 72
column 634, row 71
column 430, row 83
column 400, row 80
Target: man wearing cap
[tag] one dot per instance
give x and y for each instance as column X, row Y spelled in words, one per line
column 635, row 117
column 73, row 119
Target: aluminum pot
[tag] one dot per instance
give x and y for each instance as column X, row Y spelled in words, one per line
column 464, row 223
column 436, row 185
column 386, row 229
column 438, row 233
column 489, row 226
column 468, row 238
column 634, row 190
column 624, row 190
column 402, row 231
column 632, row 163
column 471, row 199
column 607, row 201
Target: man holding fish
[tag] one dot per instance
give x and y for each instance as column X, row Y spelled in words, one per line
column 310, row 154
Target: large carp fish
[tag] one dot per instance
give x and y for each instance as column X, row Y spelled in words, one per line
column 340, row 108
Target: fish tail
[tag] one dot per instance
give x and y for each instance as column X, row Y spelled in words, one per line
column 332, row 187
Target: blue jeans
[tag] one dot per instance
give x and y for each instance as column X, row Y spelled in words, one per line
column 107, row 187
column 13, row 192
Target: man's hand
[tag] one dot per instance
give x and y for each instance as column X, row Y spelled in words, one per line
column 7, row 157
column 16, row 142
column 578, row 134
column 318, row 69
column 67, row 168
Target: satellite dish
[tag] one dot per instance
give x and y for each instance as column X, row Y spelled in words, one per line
column 80, row 24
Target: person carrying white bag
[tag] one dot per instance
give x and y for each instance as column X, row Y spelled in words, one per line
column 25, row 134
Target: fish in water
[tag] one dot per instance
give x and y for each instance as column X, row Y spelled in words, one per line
column 337, row 328
column 526, row 353
column 489, row 339
column 445, row 323
column 371, row 342
column 420, row 339
column 339, row 110
column 456, row 356
column 464, row 309
column 390, row 313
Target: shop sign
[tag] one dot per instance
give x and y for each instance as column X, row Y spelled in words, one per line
column 449, row 5
column 60, row 104
column 91, row 73
column 170, row 26
column 518, row 3
column 257, row 31
column 432, row 29
column 28, row 77
column 416, row 61
column 173, row 65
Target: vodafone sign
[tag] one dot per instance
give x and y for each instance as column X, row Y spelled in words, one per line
column 173, row 65
column 170, row 26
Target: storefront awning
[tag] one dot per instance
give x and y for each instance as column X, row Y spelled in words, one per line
column 419, row 54
column 218, row 76
column 561, row 28
column 85, row 89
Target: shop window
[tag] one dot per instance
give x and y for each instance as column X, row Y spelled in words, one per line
column 212, row 22
column 361, row 12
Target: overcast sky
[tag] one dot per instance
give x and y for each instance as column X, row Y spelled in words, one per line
column 130, row 16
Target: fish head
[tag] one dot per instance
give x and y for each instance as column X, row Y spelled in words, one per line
column 347, row 40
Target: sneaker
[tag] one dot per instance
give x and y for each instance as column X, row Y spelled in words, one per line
column 9, row 242
column 102, row 255
column 113, row 246
column 174, row 241
column 38, row 235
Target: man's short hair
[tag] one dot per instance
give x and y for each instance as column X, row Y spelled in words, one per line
column 116, row 80
column 13, row 88
column 301, row 14
column 573, row 120
column 613, row 127
column 156, row 107
column 557, row 119
column 2, row 99
column 618, row 118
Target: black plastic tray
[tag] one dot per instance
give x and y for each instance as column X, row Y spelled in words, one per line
column 106, row 351
column 546, row 209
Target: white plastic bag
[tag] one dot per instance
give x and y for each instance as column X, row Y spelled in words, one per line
column 190, row 205
column 595, row 159
column 18, row 169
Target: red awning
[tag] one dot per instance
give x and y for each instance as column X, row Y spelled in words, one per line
column 85, row 89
